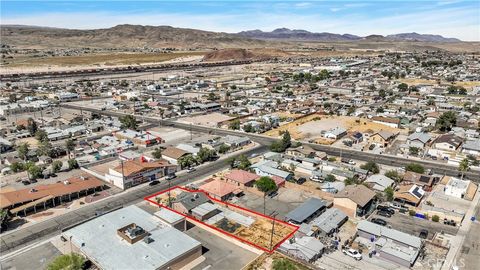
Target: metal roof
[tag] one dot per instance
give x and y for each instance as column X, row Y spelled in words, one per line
column 381, row 231
column 305, row 210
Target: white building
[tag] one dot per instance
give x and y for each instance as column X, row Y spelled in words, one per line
column 456, row 187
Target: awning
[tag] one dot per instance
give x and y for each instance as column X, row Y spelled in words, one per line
column 30, row 204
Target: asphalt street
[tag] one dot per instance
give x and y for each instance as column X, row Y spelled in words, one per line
column 10, row 241
column 437, row 168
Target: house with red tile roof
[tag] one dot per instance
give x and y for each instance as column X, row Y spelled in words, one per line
column 220, row 190
column 241, row 178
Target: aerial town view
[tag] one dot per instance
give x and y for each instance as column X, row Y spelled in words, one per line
column 240, row 135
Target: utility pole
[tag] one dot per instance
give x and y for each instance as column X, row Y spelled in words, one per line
column 123, row 175
column 273, row 215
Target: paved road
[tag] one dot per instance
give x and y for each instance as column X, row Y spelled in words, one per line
column 438, row 168
column 16, row 239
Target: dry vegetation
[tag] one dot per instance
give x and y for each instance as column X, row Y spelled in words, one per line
column 467, row 85
column 100, row 59
column 309, row 127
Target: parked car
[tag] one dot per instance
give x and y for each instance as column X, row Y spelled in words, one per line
column 153, row 183
column 352, row 253
column 170, row 176
column 371, row 147
column 301, row 180
column 386, row 209
column 26, row 182
column 273, row 194
column 423, row 234
column 191, row 169
column 449, row 222
column 379, row 221
column 33, row 181
column 384, row 214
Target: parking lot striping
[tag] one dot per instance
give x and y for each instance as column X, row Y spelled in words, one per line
column 295, row 228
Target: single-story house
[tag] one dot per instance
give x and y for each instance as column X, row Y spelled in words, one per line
column 308, row 210
column 355, row 200
column 379, row 182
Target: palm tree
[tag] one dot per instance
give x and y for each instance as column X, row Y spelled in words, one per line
column 464, row 166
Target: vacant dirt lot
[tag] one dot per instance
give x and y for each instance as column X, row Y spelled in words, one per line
column 99, row 59
column 310, row 127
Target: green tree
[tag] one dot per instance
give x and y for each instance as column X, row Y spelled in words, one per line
column 157, row 153
column 248, row 128
column 389, row 193
column 413, row 150
column 41, row 135
column 415, row 167
column 205, row 154
column 265, row 184
column 128, row 122
column 45, row 148
column 371, row 167
column 212, row 96
column 403, row 87
column 17, row 167
column 223, row 149
column 57, row 166
column 32, row 126
column 283, row 264
column 70, row 146
column 187, row 161
column 73, row 164
column 4, row 218
column 330, row 178
column 71, row 261
column 34, row 172
column 447, row 120
column 435, row 218
column 393, row 175
column 243, row 162
column 235, row 124
column 464, row 166
column 22, row 151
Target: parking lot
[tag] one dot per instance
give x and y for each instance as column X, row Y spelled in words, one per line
column 337, row 260
column 219, row 253
column 413, row 225
column 36, row 258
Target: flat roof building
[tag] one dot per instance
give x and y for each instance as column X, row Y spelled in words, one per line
column 131, row 238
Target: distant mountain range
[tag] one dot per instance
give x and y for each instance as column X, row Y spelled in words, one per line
column 303, row 35
column 134, row 36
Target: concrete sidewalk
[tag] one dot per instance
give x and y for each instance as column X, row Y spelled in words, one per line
column 457, row 242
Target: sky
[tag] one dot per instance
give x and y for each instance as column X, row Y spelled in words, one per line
column 449, row 18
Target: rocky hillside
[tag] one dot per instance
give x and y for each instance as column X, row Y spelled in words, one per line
column 129, row 36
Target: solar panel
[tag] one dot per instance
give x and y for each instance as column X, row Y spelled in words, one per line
column 417, row 193
column 424, row 179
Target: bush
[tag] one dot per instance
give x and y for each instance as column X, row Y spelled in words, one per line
column 414, row 167
column 412, row 212
column 68, row 261
column 435, row 218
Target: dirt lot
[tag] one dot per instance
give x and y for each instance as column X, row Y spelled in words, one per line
column 467, row 85
column 260, row 231
column 100, row 59
column 266, row 262
column 310, row 127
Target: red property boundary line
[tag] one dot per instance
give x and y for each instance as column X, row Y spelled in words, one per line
column 149, row 199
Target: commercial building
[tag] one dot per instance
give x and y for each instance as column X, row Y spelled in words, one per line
column 134, row 172
column 43, row 196
column 131, row 238
column 139, row 138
